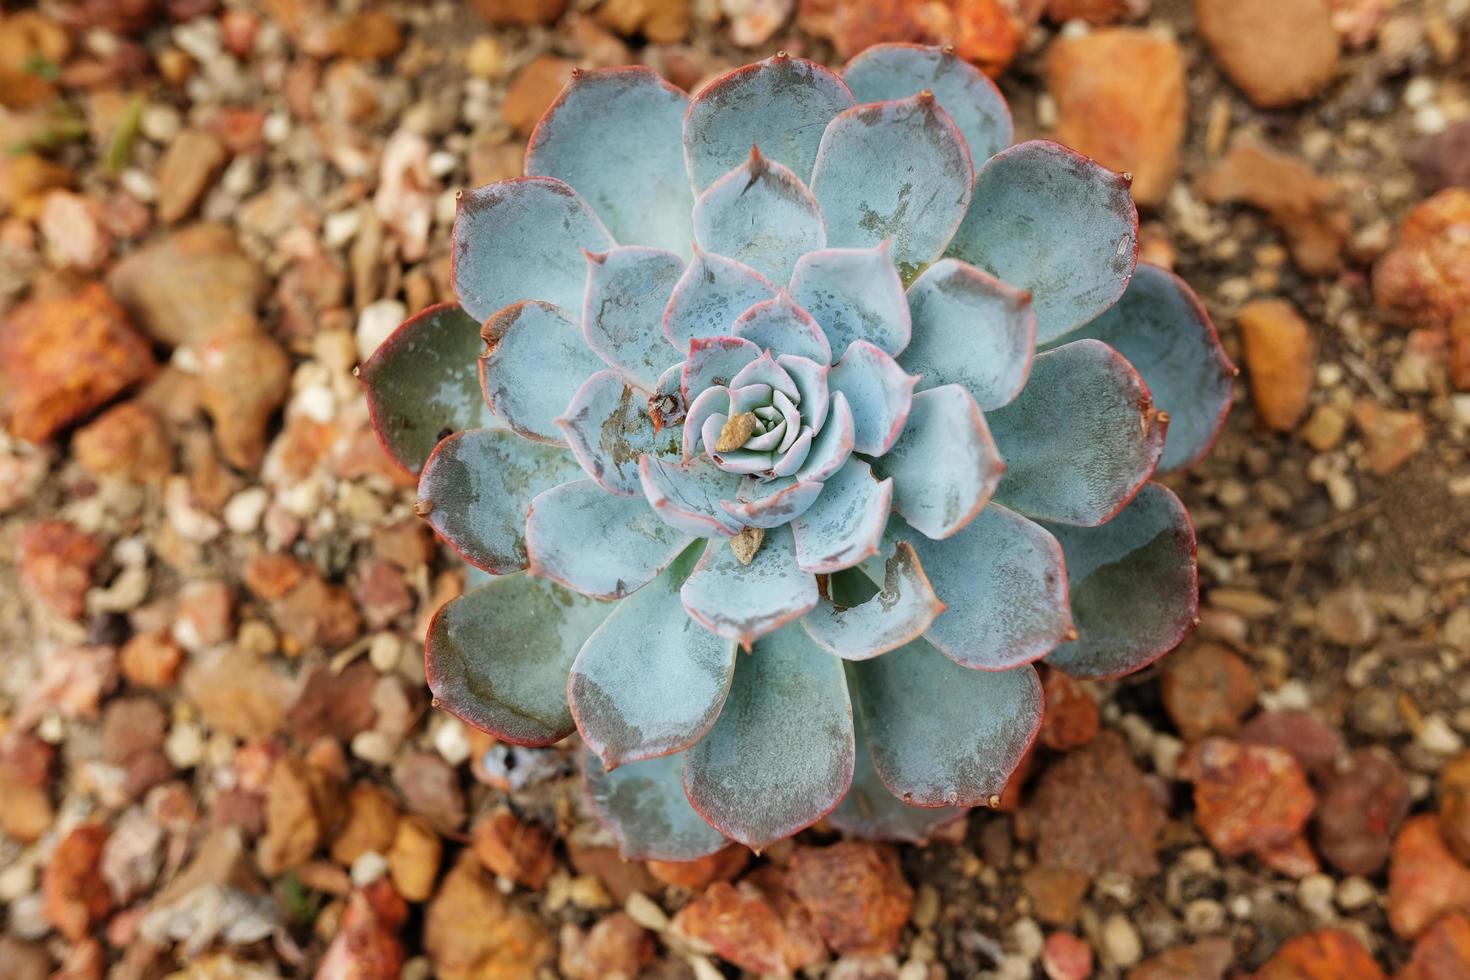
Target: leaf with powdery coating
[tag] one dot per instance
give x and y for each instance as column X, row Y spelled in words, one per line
column 688, row 494
column 627, row 290
column 871, row 810
column 644, row 805
column 879, row 393
column 745, row 602
column 714, row 362
column 535, row 363
column 711, row 293
column 892, row 609
column 780, row 325
column 761, row 215
column 854, row 294
column 608, row 427
column 845, row 523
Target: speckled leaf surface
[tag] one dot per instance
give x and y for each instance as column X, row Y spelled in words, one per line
column 616, row 135
column 771, row 503
column 970, row 329
column 896, row 171
column 945, row 465
column 901, row 607
column 1081, row 438
column 870, row 811
column 477, row 487
column 1134, row 586
column 536, row 362
column 644, row 806
column 711, row 293
column 1161, row 326
column 1047, row 219
column 523, row 239
column 1005, row 586
column 969, row 736
column 627, row 290
column 896, row 71
column 650, row 680
column 745, row 602
column 780, row 105
column 686, row 494
column 761, row 215
column 779, row 324
column 780, row 757
column 498, row 656
column 853, row 294
column 714, row 362
column 608, row 427
column 598, row 543
column 845, row 523
column 878, row 391
column 422, row 385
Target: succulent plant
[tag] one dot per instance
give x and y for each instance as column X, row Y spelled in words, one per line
column 822, row 368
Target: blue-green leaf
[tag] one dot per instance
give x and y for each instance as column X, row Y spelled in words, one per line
column 854, row 294
column 644, row 806
column 745, row 602
column 711, row 293
column 422, row 384
column 650, row 680
column 1134, row 586
column 687, row 495
column 771, row 503
column 941, row 734
column 498, row 656
column 845, row 523
column 608, row 427
column 879, row 393
column 535, row 363
column 477, row 487
column 523, row 239
column 779, row 325
column 627, row 290
column 1081, row 438
column 781, row 755
column 761, row 215
column 616, row 135
column 871, row 811
column 1047, row 219
column 714, row 362
column 896, row 608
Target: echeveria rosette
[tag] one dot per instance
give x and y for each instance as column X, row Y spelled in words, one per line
column 822, row 368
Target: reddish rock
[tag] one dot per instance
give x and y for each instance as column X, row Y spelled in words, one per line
column 505, row 12
column 133, row 730
column 660, row 21
column 1072, row 715
column 1065, row 957
column 1056, row 893
column 271, row 575
column 371, row 825
column 1315, row 745
column 151, row 659
column 723, row 865
column 317, row 614
column 1278, row 53
column 533, row 89
column 616, row 948
column 188, row 168
column 369, row 35
column 431, row 789
column 1454, row 805
column 472, row 932
column 63, row 357
column 988, row 33
column 1425, row 276
column 367, row 946
column 25, row 802
column 55, row 561
column 1094, row 811
column 741, row 925
column 237, row 693
column 855, row 893
column 1207, row 959
column 1442, row 953
column 1293, row 857
column 1247, row 797
column 184, row 287
column 1207, row 690
column 408, row 544
column 523, row 852
column 1279, row 361
column 382, row 594
column 245, row 378
column 334, row 703
column 1131, row 121
column 621, row 878
column 1306, row 207
column 1327, row 954
column 1361, row 809
column 73, row 682
column 1425, row 880
column 1346, row 617
column 1094, row 11
column 76, row 895
column 1443, row 160
column 1391, row 437
column 127, row 441
column 302, row 807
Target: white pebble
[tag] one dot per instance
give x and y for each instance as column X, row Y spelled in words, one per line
column 1026, row 939
column 1438, row 737
column 1355, row 892
column 1314, row 893
column 385, row 652
column 244, row 510
column 277, row 128
column 376, row 322
column 368, row 868
column 316, row 403
column 451, row 741
column 184, row 746
column 372, row 747
column 340, row 228
column 161, row 122
column 17, row 880
column 442, row 163
column 139, row 183
column 1120, row 941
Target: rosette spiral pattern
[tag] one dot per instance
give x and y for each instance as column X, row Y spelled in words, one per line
column 823, row 368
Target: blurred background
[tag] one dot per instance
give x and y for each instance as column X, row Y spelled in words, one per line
column 217, row 756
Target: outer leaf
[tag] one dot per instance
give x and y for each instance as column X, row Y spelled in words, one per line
column 897, row 612
column 627, row 290
column 970, row 329
column 1135, row 589
column 1163, row 329
column 781, row 755
column 597, row 543
column 1081, row 439
column 477, row 487
column 1005, row 584
column 780, row 325
column 761, row 215
column 845, row 523
column 869, row 810
column 854, row 294
column 687, row 495
column 608, row 427
column 1049, row 220
column 896, row 71
column 745, row 602
column 714, row 362
column 421, row 384
column 523, row 239
column 535, row 364
column 780, row 105
column 711, row 293
column 498, row 657
column 644, row 806
column 879, row 393
column 649, row 680
column 615, row 134
column 894, row 170
column 945, row 466
column 962, row 746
